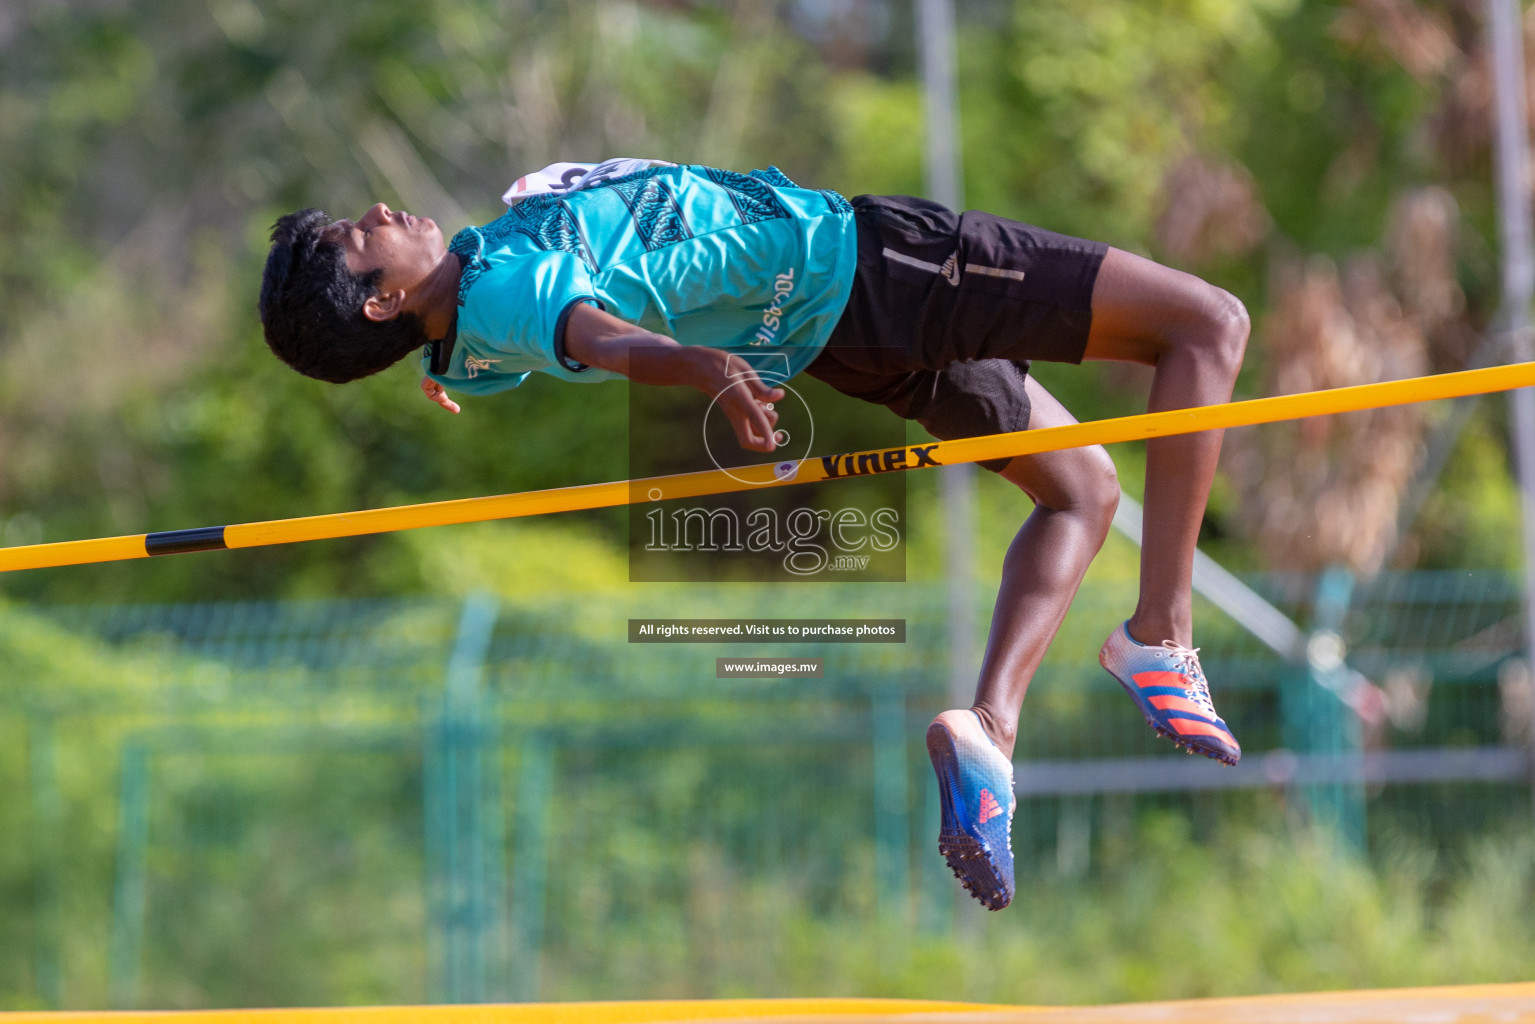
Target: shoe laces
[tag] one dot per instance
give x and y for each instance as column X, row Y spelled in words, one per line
column 1186, row 660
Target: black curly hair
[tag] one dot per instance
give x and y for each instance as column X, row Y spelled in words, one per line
column 311, row 307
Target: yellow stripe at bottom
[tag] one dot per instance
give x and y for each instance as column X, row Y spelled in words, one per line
column 625, row 1012
column 1462, row 1004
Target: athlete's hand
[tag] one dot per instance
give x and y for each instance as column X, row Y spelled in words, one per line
column 437, row 393
column 743, row 397
column 599, row 339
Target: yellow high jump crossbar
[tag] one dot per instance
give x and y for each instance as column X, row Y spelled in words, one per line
column 811, row 470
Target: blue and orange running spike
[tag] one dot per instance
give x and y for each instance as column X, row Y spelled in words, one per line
column 1169, row 686
column 975, row 787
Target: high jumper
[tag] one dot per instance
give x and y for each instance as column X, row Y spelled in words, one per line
column 730, row 283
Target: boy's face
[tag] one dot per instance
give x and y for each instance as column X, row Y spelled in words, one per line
column 405, row 248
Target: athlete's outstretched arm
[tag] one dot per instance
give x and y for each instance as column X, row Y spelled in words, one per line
column 600, row 339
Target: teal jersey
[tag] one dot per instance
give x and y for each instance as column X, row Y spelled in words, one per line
column 749, row 263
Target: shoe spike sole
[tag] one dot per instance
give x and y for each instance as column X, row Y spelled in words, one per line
column 966, row 855
column 1187, row 747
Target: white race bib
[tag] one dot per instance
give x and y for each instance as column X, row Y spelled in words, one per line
column 569, row 177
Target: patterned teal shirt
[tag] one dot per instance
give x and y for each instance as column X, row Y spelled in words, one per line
column 749, row 263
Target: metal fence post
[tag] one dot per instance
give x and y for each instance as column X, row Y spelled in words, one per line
column 892, row 832
column 938, row 59
column 938, row 903
column 1317, row 720
column 434, row 819
column 128, row 896
column 1511, row 151
column 47, row 820
column 464, row 857
column 530, row 864
column 498, row 953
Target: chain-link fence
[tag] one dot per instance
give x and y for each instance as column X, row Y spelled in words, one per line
column 462, row 800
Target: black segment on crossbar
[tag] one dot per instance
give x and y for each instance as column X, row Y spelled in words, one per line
column 176, row 542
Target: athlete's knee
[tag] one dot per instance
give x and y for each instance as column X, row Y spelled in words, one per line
column 1100, row 487
column 1232, row 327
column 1078, row 481
column 1219, row 330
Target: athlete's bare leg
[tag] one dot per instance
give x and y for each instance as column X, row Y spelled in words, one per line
column 1194, row 334
column 1075, row 492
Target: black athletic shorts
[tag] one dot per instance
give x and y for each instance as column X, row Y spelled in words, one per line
column 948, row 309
